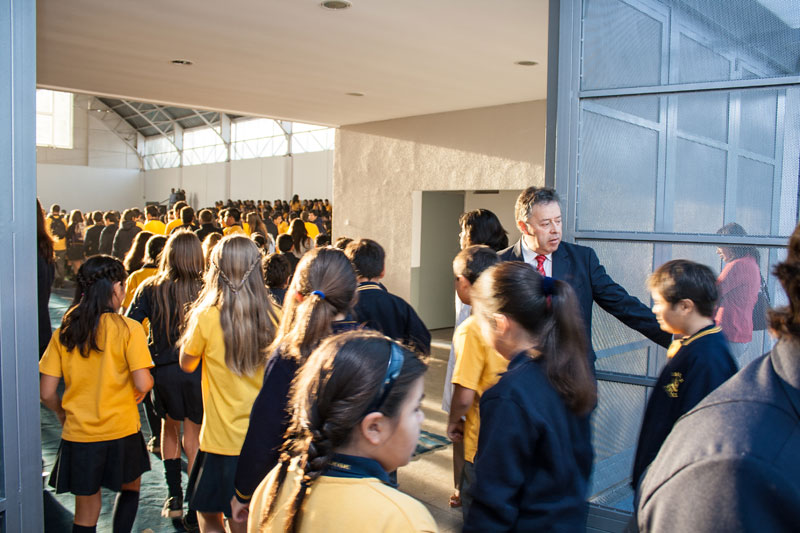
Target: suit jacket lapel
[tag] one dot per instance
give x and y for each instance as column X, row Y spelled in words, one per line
column 562, row 265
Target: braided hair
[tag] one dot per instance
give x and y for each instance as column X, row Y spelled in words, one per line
column 93, row 297
column 333, row 393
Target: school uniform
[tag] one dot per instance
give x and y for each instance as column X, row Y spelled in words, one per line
column 101, row 441
column 353, row 495
column 133, row 282
column 172, row 224
column 534, row 457
column 205, row 230
column 227, row 401
column 155, row 226
column 261, row 449
column 175, row 392
column 107, row 239
column 91, row 240
column 382, row 311
column 277, row 294
column 234, row 230
column 700, row 364
column 124, row 239
column 731, row 463
column 478, row 367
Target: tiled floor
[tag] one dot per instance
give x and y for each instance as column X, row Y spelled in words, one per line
column 428, row 477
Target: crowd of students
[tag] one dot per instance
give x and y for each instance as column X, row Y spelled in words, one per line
column 292, row 380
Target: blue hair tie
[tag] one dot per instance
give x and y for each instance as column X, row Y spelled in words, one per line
column 548, row 285
column 319, row 293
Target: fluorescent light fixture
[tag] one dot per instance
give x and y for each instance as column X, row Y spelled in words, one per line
column 786, row 10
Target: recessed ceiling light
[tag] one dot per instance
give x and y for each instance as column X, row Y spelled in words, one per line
column 184, row 62
column 335, row 4
column 354, row 94
column 526, row 63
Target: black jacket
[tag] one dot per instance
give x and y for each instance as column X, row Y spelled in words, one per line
column 91, row 241
column 382, row 311
column 107, row 239
column 534, row 457
column 579, row 266
column 124, row 239
column 703, row 363
column 205, row 230
column 731, row 464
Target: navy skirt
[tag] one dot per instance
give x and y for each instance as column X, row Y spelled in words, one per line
column 210, row 487
column 83, row 467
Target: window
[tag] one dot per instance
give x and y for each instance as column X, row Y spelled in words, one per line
column 53, row 119
column 259, row 137
column 159, row 152
column 203, row 145
column 310, row 138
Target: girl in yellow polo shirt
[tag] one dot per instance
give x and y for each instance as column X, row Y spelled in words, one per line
column 228, row 330
column 104, row 360
column 356, row 417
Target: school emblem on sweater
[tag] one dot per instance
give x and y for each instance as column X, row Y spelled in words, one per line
column 672, row 388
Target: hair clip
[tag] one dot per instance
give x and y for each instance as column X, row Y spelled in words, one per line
column 548, row 285
column 319, row 293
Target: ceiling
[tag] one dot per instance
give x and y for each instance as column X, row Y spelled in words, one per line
column 293, row 59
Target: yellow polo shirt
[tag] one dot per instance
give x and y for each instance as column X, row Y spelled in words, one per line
column 478, row 367
column 99, row 397
column 311, row 229
column 233, row 230
column 156, row 227
column 172, row 225
column 227, row 398
column 133, row 282
column 341, row 505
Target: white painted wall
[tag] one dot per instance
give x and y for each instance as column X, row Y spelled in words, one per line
column 88, row 188
column 379, row 167
column 265, row 178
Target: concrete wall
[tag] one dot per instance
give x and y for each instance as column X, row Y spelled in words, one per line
column 380, row 165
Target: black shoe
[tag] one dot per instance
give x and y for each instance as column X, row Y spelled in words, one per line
column 173, row 507
column 190, row 521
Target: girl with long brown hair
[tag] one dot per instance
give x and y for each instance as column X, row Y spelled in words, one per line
column 162, row 300
column 74, row 238
column 315, row 306
column 136, row 257
column 356, row 416
column 45, row 275
column 534, row 451
column 300, row 239
column 229, row 330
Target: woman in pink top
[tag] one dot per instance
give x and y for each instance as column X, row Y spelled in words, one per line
column 738, row 283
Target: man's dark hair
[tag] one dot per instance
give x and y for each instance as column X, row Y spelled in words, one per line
column 111, row 217
column 367, row 257
column 284, row 243
column 276, row 270
column 680, row 279
column 187, row 215
column 233, row 212
column 473, row 260
column 304, row 216
column 151, row 211
column 176, row 209
column 206, row 216
column 128, row 215
column 55, row 208
column 323, row 239
column 533, row 196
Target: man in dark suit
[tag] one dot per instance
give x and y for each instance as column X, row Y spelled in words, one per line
column 538, row 217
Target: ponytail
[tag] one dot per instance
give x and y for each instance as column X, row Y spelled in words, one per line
column 548, row 310
column 327, row 284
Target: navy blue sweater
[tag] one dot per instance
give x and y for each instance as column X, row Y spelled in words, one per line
column 534, row 457
column 702, row 364
column 382, row 311
column 269, row 420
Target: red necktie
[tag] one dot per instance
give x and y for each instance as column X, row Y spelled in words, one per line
column 540, row 259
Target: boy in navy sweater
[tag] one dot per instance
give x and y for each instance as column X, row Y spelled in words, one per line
column 698, row 361
column 379, row 309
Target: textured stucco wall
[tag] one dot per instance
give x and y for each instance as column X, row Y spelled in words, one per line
column 378, row 165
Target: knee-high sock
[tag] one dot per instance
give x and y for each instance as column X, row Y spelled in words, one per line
column 125, row 508
column 172, row 471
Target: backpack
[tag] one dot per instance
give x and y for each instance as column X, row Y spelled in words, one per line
column 57, row 227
